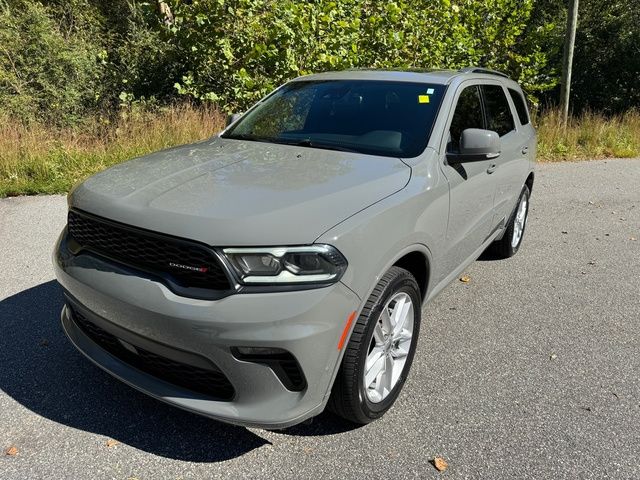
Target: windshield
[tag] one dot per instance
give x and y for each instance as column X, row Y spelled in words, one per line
column 373, row 117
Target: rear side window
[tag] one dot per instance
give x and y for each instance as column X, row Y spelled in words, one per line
column 521, row 107
column 499, row 118
column 468, row 114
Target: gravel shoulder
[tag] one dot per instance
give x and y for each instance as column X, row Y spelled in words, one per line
column 530, row 370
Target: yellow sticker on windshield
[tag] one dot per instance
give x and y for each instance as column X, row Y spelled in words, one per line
column 423, row 98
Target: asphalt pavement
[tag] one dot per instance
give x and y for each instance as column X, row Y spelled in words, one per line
column 529, row 370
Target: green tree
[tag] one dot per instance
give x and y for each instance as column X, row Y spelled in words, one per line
column 238, row 50
column 49, row 70
column 607, row 56
column 606, row 66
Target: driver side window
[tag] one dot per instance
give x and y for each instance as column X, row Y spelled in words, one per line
column 468, row 114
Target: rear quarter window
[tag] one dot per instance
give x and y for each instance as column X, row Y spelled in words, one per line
column 521, row 106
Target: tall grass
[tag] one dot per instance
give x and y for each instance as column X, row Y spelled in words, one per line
column 38, row 159
column 587, row 136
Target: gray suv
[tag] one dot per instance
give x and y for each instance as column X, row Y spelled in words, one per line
column 281, row 266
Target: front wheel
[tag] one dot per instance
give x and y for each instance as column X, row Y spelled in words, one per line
column 510, row 242
column 381, row 349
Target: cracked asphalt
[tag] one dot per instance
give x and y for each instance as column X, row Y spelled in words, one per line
column 530, row 370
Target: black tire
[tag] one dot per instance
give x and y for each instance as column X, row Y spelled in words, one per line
column 504, row 248
column 348, row 397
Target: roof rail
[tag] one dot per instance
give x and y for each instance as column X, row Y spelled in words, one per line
column 483, row 70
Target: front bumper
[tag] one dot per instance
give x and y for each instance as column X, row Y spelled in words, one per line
column 306, row 323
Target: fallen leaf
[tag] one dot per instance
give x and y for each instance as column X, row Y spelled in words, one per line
column 12, row 451
column 465, row 279
column 112, row 443
column 440, row 464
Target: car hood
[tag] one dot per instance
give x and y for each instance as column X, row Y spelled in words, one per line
column 232, row 192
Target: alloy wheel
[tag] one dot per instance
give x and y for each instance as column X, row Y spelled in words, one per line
column 389, row 347
column 519, row 221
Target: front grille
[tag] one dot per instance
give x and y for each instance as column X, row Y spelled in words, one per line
column 149, row 251
column 208, row 382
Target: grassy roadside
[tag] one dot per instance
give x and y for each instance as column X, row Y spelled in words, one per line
column 37, row 159
column 587, row 136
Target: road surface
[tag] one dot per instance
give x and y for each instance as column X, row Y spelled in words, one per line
column 530, row 370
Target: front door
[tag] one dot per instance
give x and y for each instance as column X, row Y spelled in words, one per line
column 471, row 185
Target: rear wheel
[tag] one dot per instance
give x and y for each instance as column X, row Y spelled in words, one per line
column 510, row 242
column 381, row 349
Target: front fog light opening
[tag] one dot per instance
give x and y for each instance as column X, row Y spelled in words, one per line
column 280, row 361
column 260, row 351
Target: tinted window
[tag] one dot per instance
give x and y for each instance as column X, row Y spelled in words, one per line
column 521, row 107
column 375, row 117
column 499, row 118
column 468, row 114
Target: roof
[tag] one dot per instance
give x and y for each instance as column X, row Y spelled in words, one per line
column 418, row 76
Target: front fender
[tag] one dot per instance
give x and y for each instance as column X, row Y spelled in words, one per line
column 413, row 219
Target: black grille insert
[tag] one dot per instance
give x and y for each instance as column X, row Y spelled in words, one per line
column 208, row 382
column 187, row 264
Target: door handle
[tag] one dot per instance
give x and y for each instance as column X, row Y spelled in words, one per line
column 492, row 168
column 525, row 150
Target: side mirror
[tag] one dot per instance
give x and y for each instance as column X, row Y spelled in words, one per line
column 232, row 118
column 477, row 144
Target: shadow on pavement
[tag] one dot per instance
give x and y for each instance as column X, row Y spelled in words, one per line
column 324, row 424
column 40, row 369
column 489, row 256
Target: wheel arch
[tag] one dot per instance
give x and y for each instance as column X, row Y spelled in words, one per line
column 529, row 182
column 417, row 263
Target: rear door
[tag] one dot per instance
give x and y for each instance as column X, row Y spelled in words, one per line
column 523, row 125
column 511, row 166
column 471, row 188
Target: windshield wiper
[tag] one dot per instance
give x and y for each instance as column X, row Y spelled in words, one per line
column 307, row 142
column 250, row 138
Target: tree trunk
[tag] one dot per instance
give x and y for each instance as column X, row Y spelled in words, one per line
column 567, row 61
column 165, row 12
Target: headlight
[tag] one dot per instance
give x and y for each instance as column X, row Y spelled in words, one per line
column 287, row 265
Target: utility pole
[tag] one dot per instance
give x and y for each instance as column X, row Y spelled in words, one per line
column 567, row 60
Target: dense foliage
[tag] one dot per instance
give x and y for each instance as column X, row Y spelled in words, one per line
column 48, row 67
column 240, row 50
column 64, row 60
column 606, row 66
column 607, row 63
